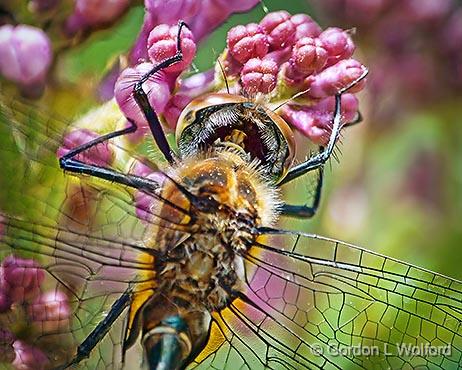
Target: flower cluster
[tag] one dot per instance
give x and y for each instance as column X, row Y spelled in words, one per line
column 25, row 57
column 202, row 17
column 162, row 43
column 413, row 44
column 26, row 51
column 282, row 56
column 21, row 294
column 287, row 55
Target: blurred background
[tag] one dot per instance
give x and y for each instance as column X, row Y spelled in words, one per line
column 396, row 188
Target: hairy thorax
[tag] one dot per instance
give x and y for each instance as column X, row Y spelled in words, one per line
column 203, row 262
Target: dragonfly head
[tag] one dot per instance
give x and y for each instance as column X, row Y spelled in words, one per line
column 224, row 184
column 234, row 122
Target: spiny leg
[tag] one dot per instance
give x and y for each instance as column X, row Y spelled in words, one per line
column 323, row 156
column 318, row 161
column 69, row 163
column 305, row 211
column 98, row 333
column 142, row 99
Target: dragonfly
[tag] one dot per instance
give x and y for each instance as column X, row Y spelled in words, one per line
column 208, row 280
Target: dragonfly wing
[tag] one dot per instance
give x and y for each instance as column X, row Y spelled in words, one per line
column 317, row 303
column 85, row 235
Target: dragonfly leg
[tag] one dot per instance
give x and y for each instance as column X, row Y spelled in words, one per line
column 317, row 161
column 324, row 154
column 85, row 348
column 68, row 163
column 305, row 211
column 142, row 99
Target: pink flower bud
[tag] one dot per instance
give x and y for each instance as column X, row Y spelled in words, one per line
column 28, row 357
column 144, row 203
column 308, row 55
column 280, row 29
column 259, row 75
column 237, row 6
column 315, row 122
column 332, row 79
column 139, row 52
column 198, row 83
column 157, row 89
column 246, row 42
column 100, row 155
column 162, row 44
column 25, row 55
column 172, row 11
column 305, row 26
column 51, row 311
column 94, row 13
column 20, row 278
column 107, row 84
column 7, row 354
column 174, row 108
column 338, row 44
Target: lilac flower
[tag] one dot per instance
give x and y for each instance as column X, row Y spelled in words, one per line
column 197, row 84
column 174, row 107
column 451, row 35
column 305, row 26
column 246, row 42
column 28, row 357
column 329, row 81
column 170, row 12
column 94, row 13
column 279, row 28
column 202, row 17
column 315, row 121
column 51, row 311
column 25, row 57
column 107, row 85
column 338, row 44
column 145, row 203
column 426, row 10
column 259, row 75
column 20, row 279
column 100, row 155
column 7, row 339
column 286, row 56
column 308, row 55
column 416, row 49
column 188, row 89
column 212, row 13
column 162, row 44
column 157, row 87
column 20, row 286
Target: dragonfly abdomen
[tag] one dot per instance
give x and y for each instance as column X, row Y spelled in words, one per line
column 226, row 199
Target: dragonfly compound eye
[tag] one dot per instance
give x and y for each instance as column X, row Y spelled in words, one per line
column 237, row 124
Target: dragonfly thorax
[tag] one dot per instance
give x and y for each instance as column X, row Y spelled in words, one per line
column 229, row 199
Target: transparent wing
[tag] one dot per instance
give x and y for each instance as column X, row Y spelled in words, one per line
column 313, row 302
column 84, row 233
